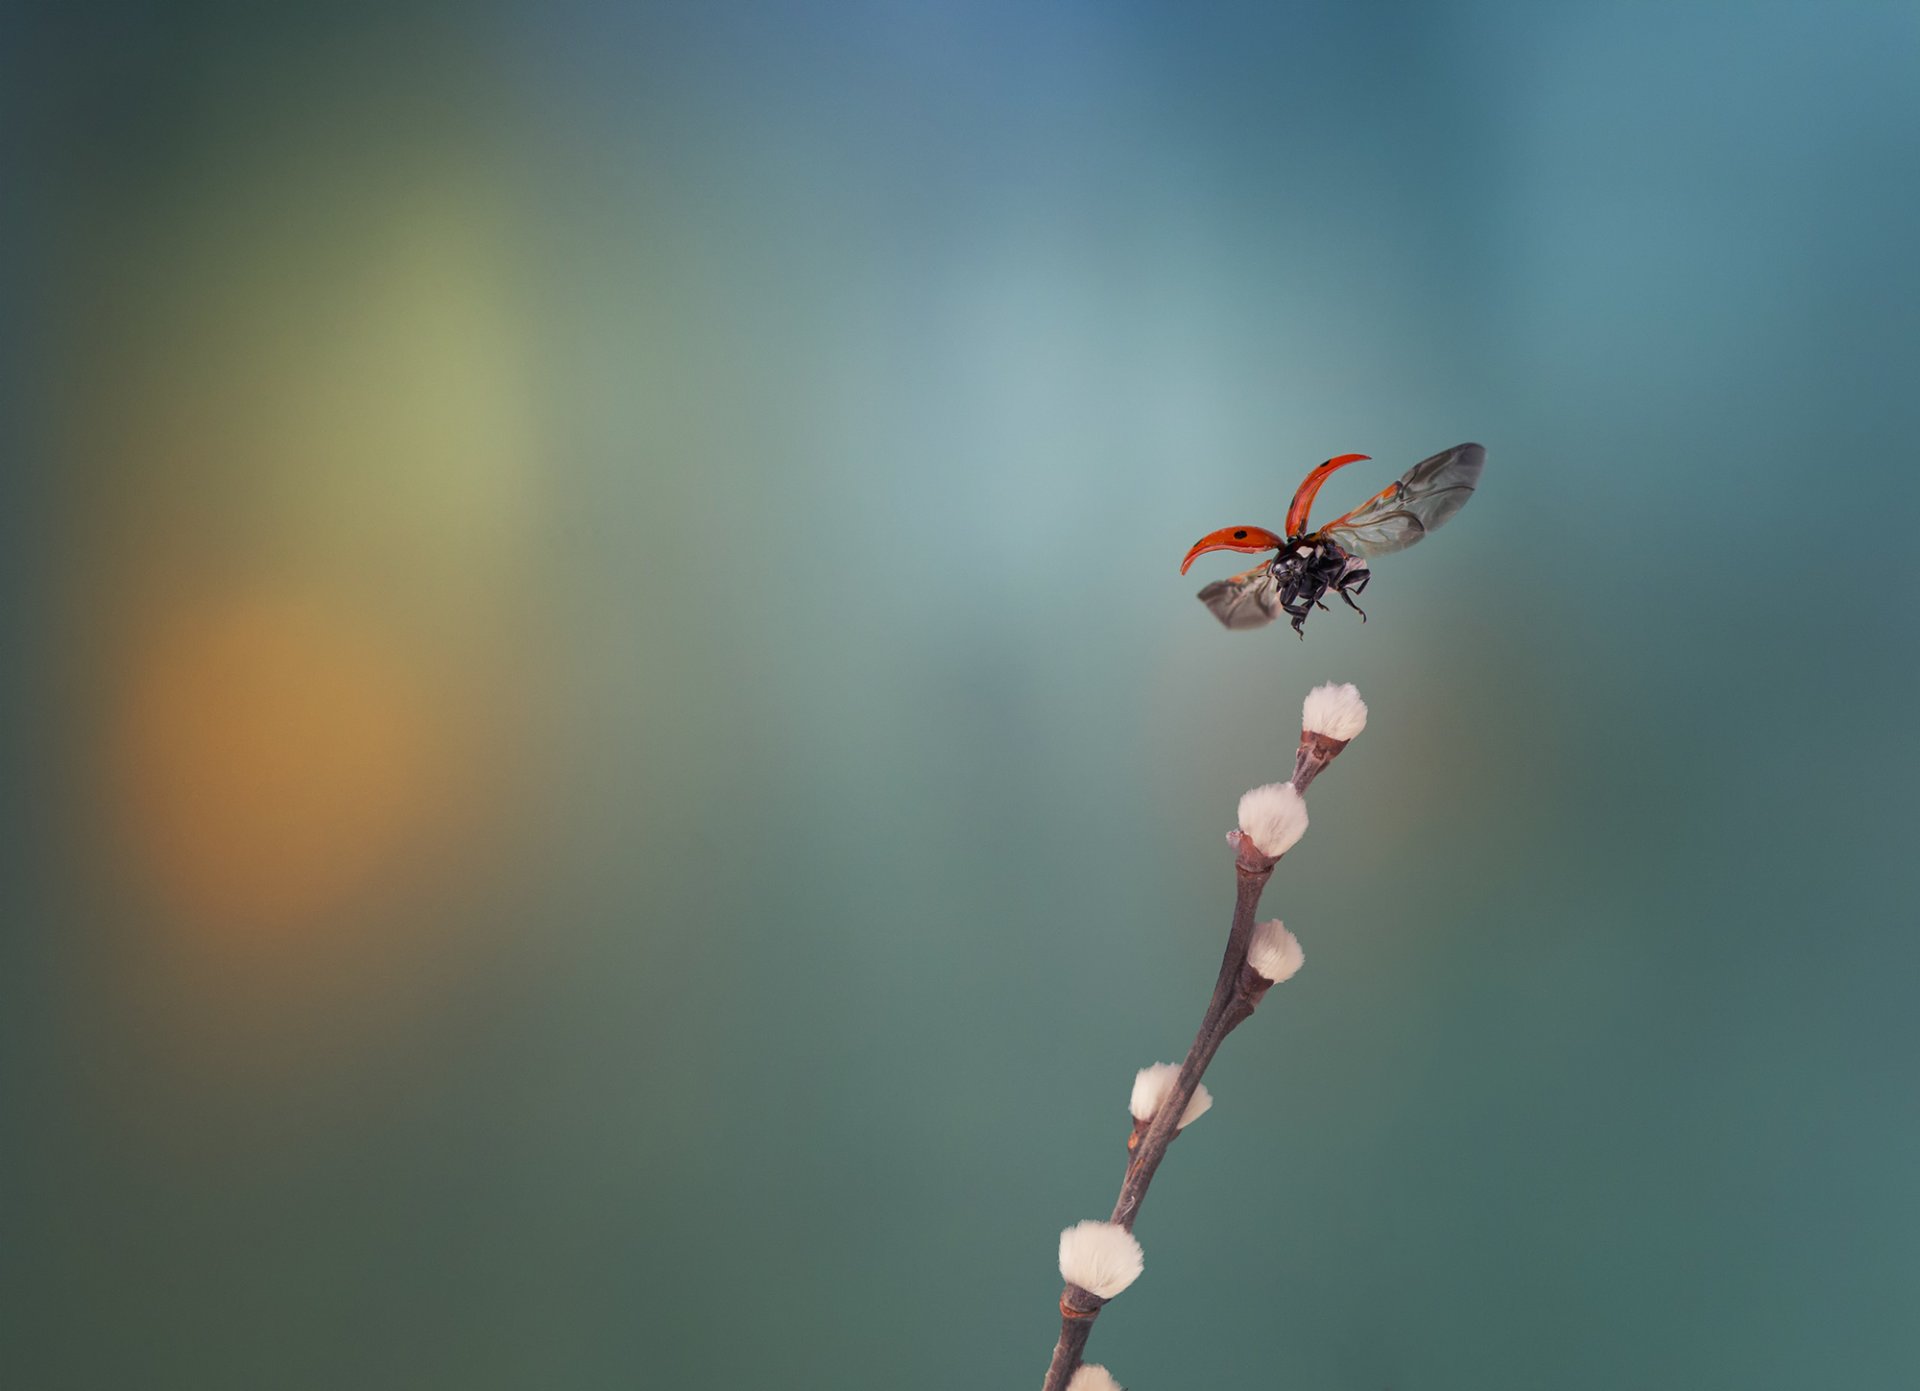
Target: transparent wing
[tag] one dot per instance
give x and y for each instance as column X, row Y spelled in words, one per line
column 1424, row 497
column 1250, row 600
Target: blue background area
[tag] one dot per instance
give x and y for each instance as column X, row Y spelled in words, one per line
column 737, row 785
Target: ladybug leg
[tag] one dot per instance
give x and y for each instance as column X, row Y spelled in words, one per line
column 1353, row 580
column 1298, row 606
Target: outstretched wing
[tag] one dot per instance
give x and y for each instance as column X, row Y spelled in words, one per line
column 1249, row 600
column 1426, row 495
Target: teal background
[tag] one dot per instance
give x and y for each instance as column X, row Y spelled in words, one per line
column 610, row 774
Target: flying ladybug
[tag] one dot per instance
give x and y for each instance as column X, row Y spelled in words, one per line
column 1312, row 564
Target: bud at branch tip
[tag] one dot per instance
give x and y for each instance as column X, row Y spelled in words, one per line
column 1335, row 711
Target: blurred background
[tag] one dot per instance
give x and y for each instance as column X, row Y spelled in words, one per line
column 609, row 774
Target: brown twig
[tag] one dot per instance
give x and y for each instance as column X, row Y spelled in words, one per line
column 1078, row 1309
column 1236, row 991
column 1251, row 872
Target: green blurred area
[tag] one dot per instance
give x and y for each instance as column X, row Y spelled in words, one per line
column 614, row 775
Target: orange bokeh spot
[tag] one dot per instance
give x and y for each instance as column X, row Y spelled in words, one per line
column 276, row 757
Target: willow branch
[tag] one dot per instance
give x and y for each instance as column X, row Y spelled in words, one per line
column 1251, row 872
column 1235, row 994
column 1075, row 1324
column 1237, row 990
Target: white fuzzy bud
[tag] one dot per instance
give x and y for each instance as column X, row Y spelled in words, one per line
column 1150, row 1084
column 1275, row 952
column 1100, row 1257
column 1093, row 1377
column 1273, row 817
column 1335, row 711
